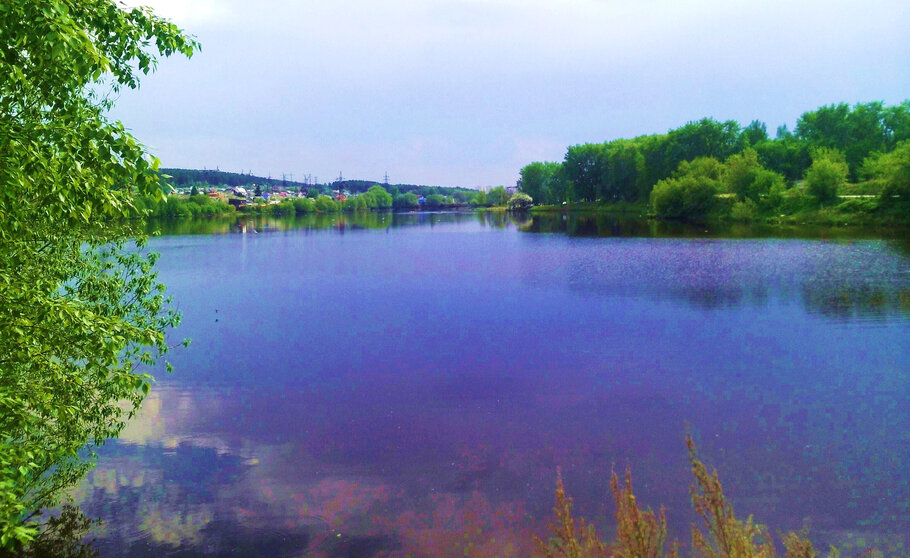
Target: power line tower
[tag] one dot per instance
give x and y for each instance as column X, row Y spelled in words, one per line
column 387, row 178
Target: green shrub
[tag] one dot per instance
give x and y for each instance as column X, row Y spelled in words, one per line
column 284, row 208
column 689, row 197
column 708, row 167
column 480, row 198
column 436, row 200
column 405, row 201
column 304, row 205
column 744, row 176
column 520, row 200
column 826, row 175
column 380, row 197
column 795, row 200
column 325, row 204
column 892, row 171
column 858, row 205
column 743, row 211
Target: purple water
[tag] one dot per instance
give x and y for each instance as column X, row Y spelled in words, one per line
column 411, row 390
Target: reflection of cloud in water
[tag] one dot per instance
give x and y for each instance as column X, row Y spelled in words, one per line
column 170, row 417
column 381, row 462
column 167, row 489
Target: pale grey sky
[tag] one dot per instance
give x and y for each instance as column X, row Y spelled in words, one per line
column 464, row 93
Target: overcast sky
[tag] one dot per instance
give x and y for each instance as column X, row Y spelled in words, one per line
column 464, row 93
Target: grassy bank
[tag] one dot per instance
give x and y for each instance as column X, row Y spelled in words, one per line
column 846, row 211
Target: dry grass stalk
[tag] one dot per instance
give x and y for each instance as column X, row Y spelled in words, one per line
column 639, row 534
column 565, row 543
column 642, row 534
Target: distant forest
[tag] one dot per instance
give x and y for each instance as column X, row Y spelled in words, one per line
column 867, row 138
column 187, row 178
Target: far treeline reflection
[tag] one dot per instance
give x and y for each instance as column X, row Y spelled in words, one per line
column 857, row 298
column 572, row 224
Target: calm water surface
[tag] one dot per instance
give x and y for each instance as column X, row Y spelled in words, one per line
column 409, row 385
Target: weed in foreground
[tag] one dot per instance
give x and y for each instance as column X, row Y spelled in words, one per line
column 643, row 533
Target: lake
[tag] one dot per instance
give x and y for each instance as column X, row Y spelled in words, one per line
column 408, row 384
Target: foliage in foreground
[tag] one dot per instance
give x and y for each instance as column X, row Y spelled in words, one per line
column 80, row 308
column 643, row 533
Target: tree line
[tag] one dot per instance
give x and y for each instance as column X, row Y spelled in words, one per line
column 864, row 142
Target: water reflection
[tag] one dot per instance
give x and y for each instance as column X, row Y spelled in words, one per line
column 210, row 485
column 337, row 222
column 64, row 534
column 409, row 389
column 572, row 224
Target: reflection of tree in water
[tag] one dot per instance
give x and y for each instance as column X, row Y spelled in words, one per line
column 856, row 302
column 859, row 281
column 63, row 535
column 844, row 280
column 588, row 225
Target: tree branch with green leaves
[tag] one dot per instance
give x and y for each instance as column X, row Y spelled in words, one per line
column 82, row 315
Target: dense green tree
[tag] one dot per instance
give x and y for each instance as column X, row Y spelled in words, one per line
column 787, row 156
column 480, row 198
column 657, row 162
column 497, row 196
column 436, row 201
column 744, row 176
column 325, row 204
column 708, row 167
column 284, row 208
column 584, row 166
column 382, row 198
column 826, row 175
column 753, row 134
column 623, row 172
column 892, row 170
column 537, row 180
column 80, row 310
column 896, row 121
column 857, row 132
column 704, row 138
column 691, row 192
column 194, row 191
column 462, row 196
column 561, row 187
column 304, row 205
column 825, row 126
column 366, row 201
column 405, row 201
